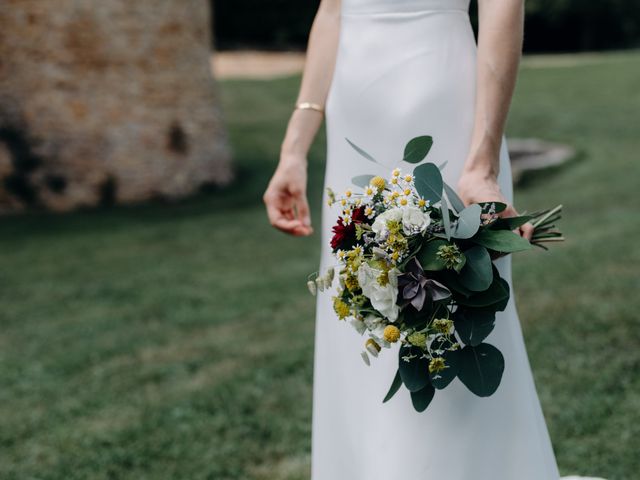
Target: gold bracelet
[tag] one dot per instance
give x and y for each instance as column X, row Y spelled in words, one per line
column 309, row 106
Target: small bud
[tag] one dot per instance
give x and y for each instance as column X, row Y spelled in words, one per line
column 312, row 287
column 320, row 284
column 372, row 347
column 365, row 357
column 331, row 273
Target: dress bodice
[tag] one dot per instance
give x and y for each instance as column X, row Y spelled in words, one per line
column 399, row 6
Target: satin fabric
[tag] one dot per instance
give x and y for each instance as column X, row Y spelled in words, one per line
column 407, row 68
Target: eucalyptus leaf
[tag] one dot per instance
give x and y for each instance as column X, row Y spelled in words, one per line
column 361, row 151
column 481, row 368
column 498, row 207
column 444, row 208
column 477, row 273
column 510, row 223
column 454, row 199
column 395, row 386
column 495, row 297
column 468, row 222
column 428, row 255
column 362, row 180
column 422, row 398
column 417, row 149
column 428, row 182
column 473, row 325
column 443, row 378
column 504, row 241
column 415, row 372
column 452, row 280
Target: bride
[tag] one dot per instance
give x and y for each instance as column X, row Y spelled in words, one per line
column 385, row 71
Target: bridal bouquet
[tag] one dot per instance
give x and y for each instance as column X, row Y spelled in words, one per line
column 414, row 267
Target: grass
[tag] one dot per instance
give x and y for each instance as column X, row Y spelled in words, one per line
column 176, row 341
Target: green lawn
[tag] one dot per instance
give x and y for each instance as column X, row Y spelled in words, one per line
column 176, row 341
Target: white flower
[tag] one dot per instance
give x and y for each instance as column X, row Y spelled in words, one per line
column 380, row 223
column 383, row 298
column 414, row 220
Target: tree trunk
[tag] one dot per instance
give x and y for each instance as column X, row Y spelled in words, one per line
column 106, row 101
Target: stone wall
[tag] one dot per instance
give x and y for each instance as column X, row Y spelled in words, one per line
column 106, row 101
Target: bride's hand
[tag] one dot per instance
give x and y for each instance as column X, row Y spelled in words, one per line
column 286, row 197
column 475, row 188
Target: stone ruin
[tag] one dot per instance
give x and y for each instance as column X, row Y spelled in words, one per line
column 107, row 102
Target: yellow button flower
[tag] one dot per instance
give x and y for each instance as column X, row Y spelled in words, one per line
column 391, row 333
column 378, row 182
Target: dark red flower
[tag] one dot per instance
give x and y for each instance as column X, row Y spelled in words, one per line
column 344, row 236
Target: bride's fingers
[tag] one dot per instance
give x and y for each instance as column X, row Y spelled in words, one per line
column 302, row 206
column 527, row 230
column 280, row 214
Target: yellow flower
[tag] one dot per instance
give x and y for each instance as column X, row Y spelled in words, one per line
column 437, row 364
column 418, row 339
column 378, row 182
column 407, row 191
column 395, row 172
column 348, row 193
column 351, row 282
column 395, row 194
column 341, row 308
column 408, row 177
column 391, row 333
column 395, row 256
column 404, row 201
column 443, row 325
column 343, row 202
column 394, row 180
column 422, row 203
column 383, row 278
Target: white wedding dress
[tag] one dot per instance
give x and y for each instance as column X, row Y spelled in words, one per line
column 407, row 68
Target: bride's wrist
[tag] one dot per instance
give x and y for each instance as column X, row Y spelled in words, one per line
column 292, row 157
column 480, row 170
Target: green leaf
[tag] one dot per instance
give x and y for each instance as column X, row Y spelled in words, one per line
column 415, row 372
column 444, row 208
column 427, row 255
column 428, row 182
column 473, row 325
column 495, row 297
column 481, row 369
column 454, row 199
column 395, row 386
column 452, row 281
column 417, row 149
column 468, row 222
column 504, row 241
column 422, row 398
column 510, row 223
column 441, row 379
column 361, row 151
column 362, row 180
column 497, row 207
column 477, row 273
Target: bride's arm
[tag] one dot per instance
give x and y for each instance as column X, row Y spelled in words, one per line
column 501, row 24
column 285, row 196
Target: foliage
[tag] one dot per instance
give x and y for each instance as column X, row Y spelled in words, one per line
column 550, row 25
